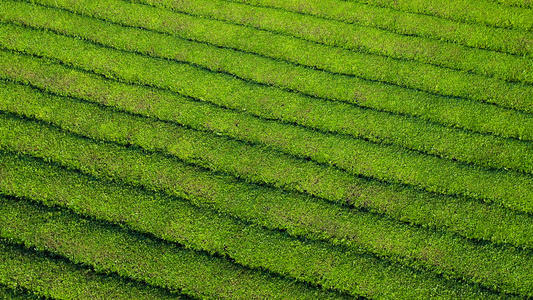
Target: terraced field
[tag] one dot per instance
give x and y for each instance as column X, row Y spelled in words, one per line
column 266, row 149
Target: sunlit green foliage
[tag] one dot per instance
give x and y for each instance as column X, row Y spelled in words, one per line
column 411, row 24
column 201, row 229
column 29, row 274
column 266, row 149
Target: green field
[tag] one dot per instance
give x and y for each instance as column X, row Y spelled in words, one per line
column 266, row 149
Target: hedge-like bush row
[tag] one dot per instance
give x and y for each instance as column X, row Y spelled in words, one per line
column 452, row 112
column 469, row 218
column 154, row 168
column 186, row 79
column 110, row 249
column 357, row 157
column 414, row 24
column 360, row 38
column 516, row 3
column 477, row 11
column 205, row 230
column 17, row 293
column 185, row 150
column 410, row 74
column 41, row 276
column 411, row 133
column 247, row 244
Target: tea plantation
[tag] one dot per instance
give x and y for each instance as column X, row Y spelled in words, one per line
column 266, row 149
